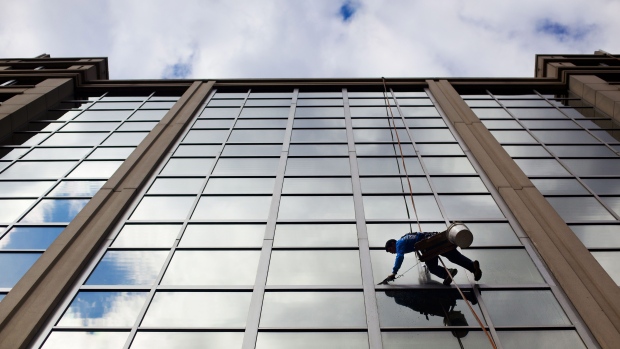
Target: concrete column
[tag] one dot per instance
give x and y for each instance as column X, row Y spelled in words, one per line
column 598, row 92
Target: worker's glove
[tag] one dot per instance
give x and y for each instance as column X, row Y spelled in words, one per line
column 391, row 277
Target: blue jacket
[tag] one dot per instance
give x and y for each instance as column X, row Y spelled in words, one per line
column 404, row 245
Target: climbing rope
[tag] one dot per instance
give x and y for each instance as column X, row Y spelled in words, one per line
column 390, row 115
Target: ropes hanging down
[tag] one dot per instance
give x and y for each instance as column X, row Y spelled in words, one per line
column 390, row 115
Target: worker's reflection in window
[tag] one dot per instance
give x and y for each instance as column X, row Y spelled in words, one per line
column 435, row 302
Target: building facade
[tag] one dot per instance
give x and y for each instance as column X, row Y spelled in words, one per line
column 254, row 213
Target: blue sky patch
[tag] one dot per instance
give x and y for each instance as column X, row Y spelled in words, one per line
column 177, row 71
column 348, row 9
column 563, row 32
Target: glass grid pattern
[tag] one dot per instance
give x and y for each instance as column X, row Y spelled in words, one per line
column 271, row 246
column 55, row 165
column 569, row 149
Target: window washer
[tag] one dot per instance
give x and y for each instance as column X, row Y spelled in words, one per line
column 406, row 244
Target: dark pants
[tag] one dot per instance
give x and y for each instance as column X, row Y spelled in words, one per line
column 453, row 256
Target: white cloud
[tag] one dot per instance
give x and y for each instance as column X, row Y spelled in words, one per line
column 279, row 38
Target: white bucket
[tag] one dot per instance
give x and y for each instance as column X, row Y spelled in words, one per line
column 459, row 234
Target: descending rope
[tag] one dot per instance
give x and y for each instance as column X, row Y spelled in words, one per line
column 469, row 305
column 390, row 113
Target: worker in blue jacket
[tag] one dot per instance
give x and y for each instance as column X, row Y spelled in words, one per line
column 406, row 244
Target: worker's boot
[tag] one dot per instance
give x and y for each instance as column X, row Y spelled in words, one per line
column 477, row 271
column 448, row 279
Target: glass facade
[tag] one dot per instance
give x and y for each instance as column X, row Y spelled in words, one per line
column 569, row 150
column 267, row 222
column 52, row 168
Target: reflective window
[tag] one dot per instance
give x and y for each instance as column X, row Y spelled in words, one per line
column 384, row 149
column 389, row 166
column 438, row 166
column 491, row 113
column 314, row 268
column 593, row 167
column 425, row 308
column 163, row 208
column 110, row 153
column 315, row 235
column 24, row 189
column 312, row 340
column 232, row 208
column 526, row 151
column 197, row 150
column 319, row 136
column 37, row 169
column 440, row 149
column 540, row 339
column 513, row 137
column 151, row 235
column 316, row 207
column 95, row 339
column 316, row 186
column 462, row 207
column 176, row 186
column 20, row 238
column 224, row 268
column 573, row 209
column 193, row 340
column 128, row 268
column 14, row 266
column 77, row 188
column 206, row 136
column 313, row 309
column 524, row 308
column 564, row 137
column 95, row 169
column 213, row 123
column 258, row 123
column 536, row 113
column 188, row 167
column 240, row 186
column 223, row 235
column 260, row 113
column 311, row 112
column 541, row 167
column 48, row 210
column 610, row 261
column 458, row 184
column 318, row 150
column 137, row 126
column 395, row 207
column 79, row 139
column 252, row 150
column 104, row 309
column 319, row 123
column 394, row 185
column 317, row 166
column 221, row 113
column 198, row 309
column 147, row 115
column 557, row 186
column 246, row 167
column 432, row 135
column 57, row 153
column 440, row 339
column 258, row 136
column 600, row 186
column 380, row 135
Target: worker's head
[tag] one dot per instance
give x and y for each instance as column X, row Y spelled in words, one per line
column 390, row 246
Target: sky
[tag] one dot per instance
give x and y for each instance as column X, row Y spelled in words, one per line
column 216, row 39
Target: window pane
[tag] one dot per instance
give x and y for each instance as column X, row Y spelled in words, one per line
column 436, row 339
column 318, row 149
column 610, row 261
column 47, row 210
column 582, row 151
column 187, row 167
column 573, row 209
column 104, row 309
column 79, row 139
column 228, row 113
column 188, row 340
column 536, row 113
column 309, row 102
column 317, row 166
column 524, row 308
column 458, row 184
column 381, row 122
column 37, row 169
column 319, row 136
column 163, row 208
column 526, row 151
column 313, row 309
column 197, row 150
column 541, row 167
column 564, row 137
column 505, row 266
column 261, row 123
column 316, row 207
column 137, row 126
column 240, row 186
column 62, row 339
column 111, row 153
column 213, row 123
column 389, row 166
column 394, row 207
column 14, row 266
column 311, row 112
column 380, row 135
column 77, row 188
column 394, row 185
column 601, row 186
column 318, row 123
column 224, row 268
column 315, row 235
column 312, row 340
column 30, row 237
column 455, row 165
column 513, row 137
column 151, row 235
column 206, row 136
column 440, row 149
column 246, row 167
column 432, row 135
column 57, row 153
column 601, row 236
column 232, row 208
column 11, row 210
column 252, row 150
column 258, row 136
column 89, row 126
column 314, row 268
column 558, row 186
column 593, row 167
column 176, row 186
column 147, row 115
column 425, row 308
column 265, row 112
column 128, row 268
column 540, row 339
column 95, row 169
column 463, row 207
column 220, row 235
column 384, row 149
column 316, row 186
column 198, row 309
column 24, row 189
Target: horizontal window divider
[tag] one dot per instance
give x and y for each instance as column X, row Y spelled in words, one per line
column 191, row 329
column 25, row 250
column 218, row 249
column 90, row 329
column 115, row 288
column 314, row 288
column 204, row 288
column 534, row 328
column 306, row 221
column 604, row 249
column 432, row 328
column 312, row 329
column 317, row 194
column 296, row 248
column 231, row 221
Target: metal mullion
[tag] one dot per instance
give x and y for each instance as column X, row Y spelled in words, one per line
column 166, row 264
column 370, row 300
column 256, row 302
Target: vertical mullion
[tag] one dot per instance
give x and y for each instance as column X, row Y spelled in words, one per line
column 370, row 299
column 256, row 303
